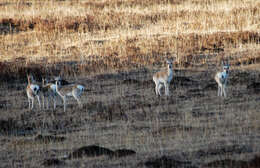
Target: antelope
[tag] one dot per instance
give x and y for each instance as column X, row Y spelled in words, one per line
column 48, row 90
column 32, row 91
column 163, row 77
column 72, row 90
column 221, row 79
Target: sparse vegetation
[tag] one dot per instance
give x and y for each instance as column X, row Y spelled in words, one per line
column 113, row 47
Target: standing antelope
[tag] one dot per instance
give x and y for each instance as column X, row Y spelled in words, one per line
column 72, row 90
column 48, row 90
column 163, row 77
column 32, row 91
column 221, row 79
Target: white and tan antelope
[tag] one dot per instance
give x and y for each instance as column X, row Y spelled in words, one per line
column 163, row 77
column 71, row 90
column 32, row 91
column 49, row 91
column 221, row 79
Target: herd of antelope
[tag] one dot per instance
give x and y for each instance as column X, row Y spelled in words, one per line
column 51, row 89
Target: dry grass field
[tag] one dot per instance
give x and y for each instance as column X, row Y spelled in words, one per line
column 113, row 47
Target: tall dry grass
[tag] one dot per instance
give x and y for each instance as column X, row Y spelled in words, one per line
column 89, row 36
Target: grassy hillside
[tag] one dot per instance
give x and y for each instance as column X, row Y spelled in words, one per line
column 123, row 34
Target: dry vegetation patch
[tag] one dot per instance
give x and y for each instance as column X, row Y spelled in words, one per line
column 109, row 35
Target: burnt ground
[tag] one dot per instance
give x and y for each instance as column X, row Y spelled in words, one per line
column 123, row 123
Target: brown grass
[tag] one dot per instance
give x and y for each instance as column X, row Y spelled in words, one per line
column 126, row 34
